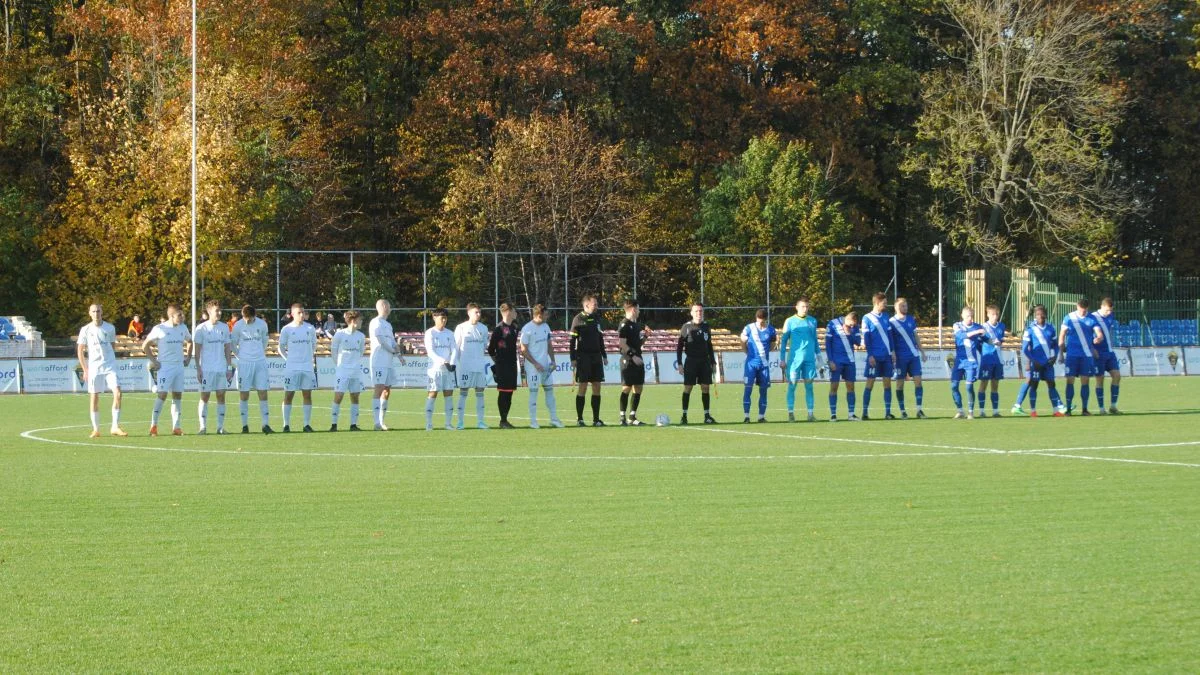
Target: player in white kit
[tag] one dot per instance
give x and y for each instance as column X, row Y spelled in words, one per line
column 539, row 364
column 249, row 341
column 99, row 370
column 347, row 348
column 441, row 350
column 172, row 342
column 383, row 350
column 471, row 363
column 298, row 347
column 214, row 363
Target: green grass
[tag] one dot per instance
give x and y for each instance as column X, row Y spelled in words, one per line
column 606, row 549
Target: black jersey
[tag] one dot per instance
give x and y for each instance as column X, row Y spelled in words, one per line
column 503, row 345
column 695, row 340
column 586, row 335
column 629, row 338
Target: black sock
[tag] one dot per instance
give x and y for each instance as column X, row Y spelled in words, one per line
column 704, row 398
column 624, row 402
column 595, row 406
column 686, row 396
column 637, row 398
column 505, row 403
column 579, row 406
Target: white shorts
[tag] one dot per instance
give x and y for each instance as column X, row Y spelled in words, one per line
column 472, row 380
column 101, row 380
column 536, row 379
column 441, row 380
column 213, row 380
column 299, row 380
column 252, row 375
column 381, row 372
column 170, row 379
column 348, row 381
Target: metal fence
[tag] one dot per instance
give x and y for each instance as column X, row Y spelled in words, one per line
column 732, row 286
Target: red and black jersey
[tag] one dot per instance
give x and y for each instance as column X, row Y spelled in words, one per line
column 503, row 345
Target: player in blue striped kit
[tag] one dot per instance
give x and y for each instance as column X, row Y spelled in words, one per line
column 908, row 356
column 1040, row 352
column 968, row 339
column 759, row 338
column 877, row 341
column 1107, row 361
column 1077, row 340
column 991, row 367
column 840, row 337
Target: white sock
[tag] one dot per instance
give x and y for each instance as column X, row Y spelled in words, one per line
column 264, row 411
column 551, row 405
column 287, row 415
column 448, row 404
column 533, row 406
column 383, row 402
column 158, row 404
column 308, row 414
column 202, row 413
column 428, row 412
column 220, row 415
column 176, row 412
column 116, row 417
column 353, row 414
column 95, row 420
column 375, row 409
column 335, row 412
column 244, row 408
column 479, row 406
column 462, row 404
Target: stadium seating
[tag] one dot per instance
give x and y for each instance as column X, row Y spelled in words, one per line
column 19, row 338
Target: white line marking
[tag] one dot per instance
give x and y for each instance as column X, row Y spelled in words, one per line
column 1094, row 448
column 964, row 449
column 1114, row 459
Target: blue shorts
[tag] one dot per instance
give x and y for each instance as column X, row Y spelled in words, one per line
column 845, row 371
column 756, row 374
column 964, row 371
column 1044, row 373
column 991, row 370
column 801, row 370
column 907, row 366
column 883, row 368
column 1107, row 363
column 1080, row 366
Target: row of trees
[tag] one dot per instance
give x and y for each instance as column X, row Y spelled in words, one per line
column 1024, row 131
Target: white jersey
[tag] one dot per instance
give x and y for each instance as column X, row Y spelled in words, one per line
column 347, row 348
column 211, row 339
column 170, row 342
column 298, row 344
column 99, row 342
column 472, row 342
column 536, row 338
column 440, row 348
column 383, row 343
column 250, row 340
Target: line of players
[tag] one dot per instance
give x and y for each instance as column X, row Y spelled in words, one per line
column 460, row 359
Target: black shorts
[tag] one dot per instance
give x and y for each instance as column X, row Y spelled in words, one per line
column 505, row 376
column 697, row 371
column 633, row 371
column 589, row 368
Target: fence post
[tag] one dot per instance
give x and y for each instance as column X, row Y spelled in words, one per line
column 635, row 276
column 277, row 298
column 352, row 305
column 496, row 282
column 767, row 262
column 701, row 278
column 895, row 280
column 832, row 294
column 566, row 293
column 425, row 289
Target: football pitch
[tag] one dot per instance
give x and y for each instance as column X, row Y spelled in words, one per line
column 1009, row 544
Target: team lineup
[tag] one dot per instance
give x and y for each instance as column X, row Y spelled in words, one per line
column 460, row 359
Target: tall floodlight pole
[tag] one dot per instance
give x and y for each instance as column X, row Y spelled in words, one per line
column 193, row 165
column 937, row 250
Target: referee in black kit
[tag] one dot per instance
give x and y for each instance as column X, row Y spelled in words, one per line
column 630, row 337
column 503, row 350
column 695, row 340
column 588, row 358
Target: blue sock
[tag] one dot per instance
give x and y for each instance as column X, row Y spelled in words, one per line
column 850, row 401
column 808, row 396
column 866, row 400
column 1022, row 393
column 982, row 396
column 996, row 401
column 762, row 401
column 1086, row 395
column 1055, row 400
column 1033, row 397
column 900, row 398
column 887, row 401
column 956, row 395
column 833, row 405
column 746, row 399
column 920, row 395
column 1114, row 391
column 1100, row 397
column 971, row 396
column 791, row 396
column 1070, row 393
